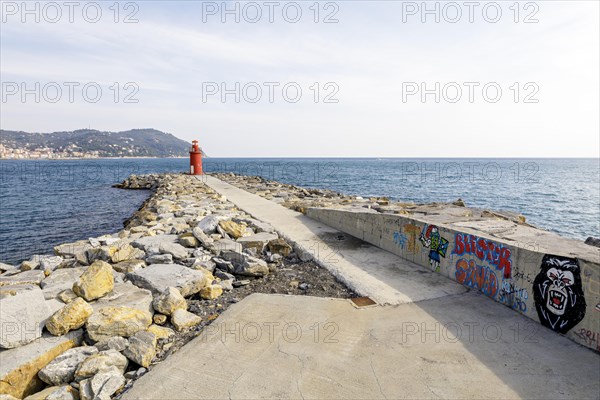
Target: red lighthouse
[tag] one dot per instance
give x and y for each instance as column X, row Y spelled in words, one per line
column 195, row 159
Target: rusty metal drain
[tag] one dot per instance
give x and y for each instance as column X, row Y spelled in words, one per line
column 363, row 302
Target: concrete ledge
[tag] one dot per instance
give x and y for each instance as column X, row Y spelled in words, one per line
column 547, row 278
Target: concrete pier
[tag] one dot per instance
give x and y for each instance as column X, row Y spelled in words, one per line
column 438, row 341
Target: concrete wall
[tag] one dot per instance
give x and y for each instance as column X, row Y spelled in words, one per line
column 549, row 279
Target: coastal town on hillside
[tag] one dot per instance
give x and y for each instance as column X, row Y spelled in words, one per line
column 44, row 153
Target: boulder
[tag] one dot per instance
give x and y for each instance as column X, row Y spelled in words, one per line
column 188, row 240
column 22, row 317
column 169, row 301
column 260, row 226
column 227, row 245
column 75, row 250
column 182, row 319
column 174, row 249
column 128, row 266
column 60, row 280
column 19, row 367
column 100, row 362
column 208, row 224
column 13, row 290
column 117, row 321
column 257, row 241
column 161, row 332
column 8, row 267
column 233, row 229
column 158, row 277
column 117, row 343
column 95, row 282
column 50, row 263
column 67, row 296
column 246, row 265
column 29, row 265
column 159, row 319
column 211, row 292
column 279, row 246
column 62, row 369
column 126, row 294
column 64, row 392
column 72, row 316
column 33, row 277
column 160, row 259
column 223, row 265
column 123, row 251
column 203, row 238
column 150, row 241
column 142, row 348
column 102, row 386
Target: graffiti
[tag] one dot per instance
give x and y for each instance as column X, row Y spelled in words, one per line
column 400, row 239
column 437, row 245
column 592, row 339
column 486, row 250
column 513, row 296
column 477, row 277
column 412, row 231
column 558, row 294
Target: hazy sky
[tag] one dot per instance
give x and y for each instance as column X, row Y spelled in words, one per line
column 510, row 81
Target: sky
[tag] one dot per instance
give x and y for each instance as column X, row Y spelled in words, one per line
column 312, row 79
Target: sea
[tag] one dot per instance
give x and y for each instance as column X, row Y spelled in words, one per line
column 44, row 203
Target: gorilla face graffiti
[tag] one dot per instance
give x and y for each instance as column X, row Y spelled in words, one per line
column 558, row 293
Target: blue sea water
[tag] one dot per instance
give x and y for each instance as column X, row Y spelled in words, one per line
column 45, row 203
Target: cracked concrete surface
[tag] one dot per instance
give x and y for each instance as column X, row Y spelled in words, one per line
column 298, row 347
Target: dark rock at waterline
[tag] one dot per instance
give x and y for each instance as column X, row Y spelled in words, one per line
column 592, row 241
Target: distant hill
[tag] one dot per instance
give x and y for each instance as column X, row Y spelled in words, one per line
column 131, row 143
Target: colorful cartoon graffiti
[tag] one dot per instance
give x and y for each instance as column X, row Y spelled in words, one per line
column 412, row 231
column 558, row 294
column 513, row 296
column 400, row 239
column 485, row 250
column 437, row 245
column 477, row 277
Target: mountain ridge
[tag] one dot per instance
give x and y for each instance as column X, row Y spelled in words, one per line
column 139, row 142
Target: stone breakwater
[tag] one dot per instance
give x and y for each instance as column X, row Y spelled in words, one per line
column 301, row 199
column 89, row 320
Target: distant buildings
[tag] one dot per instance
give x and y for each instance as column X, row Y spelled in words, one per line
column 45, row 153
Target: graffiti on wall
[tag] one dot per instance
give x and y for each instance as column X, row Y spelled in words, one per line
column 400, row 239
column 558, row 294
column 437, row 245
column 513, row 296
column 479, row 277
column 486, row 250
column 592, row 339
column 412, row 231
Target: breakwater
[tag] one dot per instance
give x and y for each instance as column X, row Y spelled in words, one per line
column 89, row 320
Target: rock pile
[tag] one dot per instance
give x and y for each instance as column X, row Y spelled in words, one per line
column 88, row 320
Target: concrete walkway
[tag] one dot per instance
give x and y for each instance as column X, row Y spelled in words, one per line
column 368, row 270
column 296, row 347
column 436, row 341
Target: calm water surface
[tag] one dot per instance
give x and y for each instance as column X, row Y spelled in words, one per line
column 45, row 203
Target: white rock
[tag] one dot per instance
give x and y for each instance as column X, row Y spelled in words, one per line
column 62, row 369
column 22, row 318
